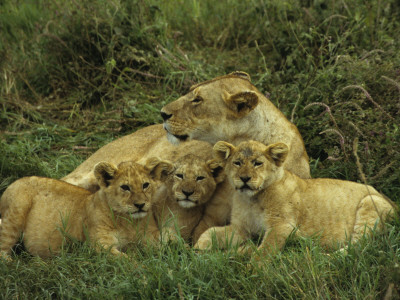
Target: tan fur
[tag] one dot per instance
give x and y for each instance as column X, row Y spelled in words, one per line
column 138, row 146
column 48, row 211
column 275, row 201
column 230, row 108
column 188, row 201
column 152, row 141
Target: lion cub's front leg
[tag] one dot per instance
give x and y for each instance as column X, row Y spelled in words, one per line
column 224, row 236
column 274, row 239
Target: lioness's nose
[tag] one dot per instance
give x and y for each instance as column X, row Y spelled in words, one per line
column 140, row 206
column 245, row 179
column 165, row 116
column 187, row 194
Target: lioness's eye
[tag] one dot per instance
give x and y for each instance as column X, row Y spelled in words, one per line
column 198, row 178
column 257, row 163
column 237, row 163
column 198, row 99
column 179, row 176
column 145, row 185
column 125, row 187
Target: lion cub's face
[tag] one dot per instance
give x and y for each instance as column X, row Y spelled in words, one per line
column 193, row 181
column 129, row 188
column 203, row 113
column 251, row 166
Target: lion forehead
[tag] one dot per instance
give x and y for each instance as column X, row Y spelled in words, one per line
column 237, row 76
column 132, row 173
column 191, row 164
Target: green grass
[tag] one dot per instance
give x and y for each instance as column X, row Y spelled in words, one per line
column 74, row 76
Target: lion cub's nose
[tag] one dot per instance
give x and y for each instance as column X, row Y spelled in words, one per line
column 140, row 206
column 165, row 116
column 187, row 194
column 245, row 179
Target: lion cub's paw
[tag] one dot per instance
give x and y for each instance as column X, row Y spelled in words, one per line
column 203, row 243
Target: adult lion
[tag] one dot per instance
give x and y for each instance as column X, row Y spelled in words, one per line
column 230, row 108
column 226, row 108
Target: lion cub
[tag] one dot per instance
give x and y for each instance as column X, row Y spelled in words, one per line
column 184, row 201
column 46, row 210
column 275, row 201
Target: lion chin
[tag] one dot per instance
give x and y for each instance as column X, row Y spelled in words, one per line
column 247, row 192
column 139, row 215
column 186, row 203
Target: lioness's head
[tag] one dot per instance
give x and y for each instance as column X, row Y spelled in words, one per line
column 129, row 188
column 211, row 109
column 252, row 166
column 194, row 180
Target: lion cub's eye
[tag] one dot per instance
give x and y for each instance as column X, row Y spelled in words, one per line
column 237, row 163
column 179, row 176
column 257, row 163
column 198, row 99
column 198, row 178
column 125, row 187
column 145, row 185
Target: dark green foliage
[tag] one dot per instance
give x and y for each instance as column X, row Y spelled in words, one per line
column 75, row 75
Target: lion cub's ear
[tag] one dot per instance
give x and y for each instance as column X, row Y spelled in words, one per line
column 159, row 169
column 278, row 152
column 104, row 173
column 222, row 150
column 241, row 103
column 216, row 168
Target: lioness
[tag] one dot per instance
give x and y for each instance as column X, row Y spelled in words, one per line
column 188, row 200
column 46, row 210
column 273, row 200
column 230, row 108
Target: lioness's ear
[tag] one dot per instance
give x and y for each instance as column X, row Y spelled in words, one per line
column 159, row 169
column 278, row 152
column 241, row 103
column 217, row 169
column 104, row 173
column 241, row 74
column 222, row 150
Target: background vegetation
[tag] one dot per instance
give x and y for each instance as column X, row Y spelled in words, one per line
column 75, row 75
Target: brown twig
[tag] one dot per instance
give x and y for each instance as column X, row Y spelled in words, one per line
column 382, row 171
column 341, row 140
column 327, row 110
column 359, row 166
column 164, row 57
column 395, row 83
column 368, row 96
column 356, row 128
column 368, row 54
column 294, row 108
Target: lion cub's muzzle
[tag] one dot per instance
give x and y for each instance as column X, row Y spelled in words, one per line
column 244, row 181
column 186, row 200
column 140, row 212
